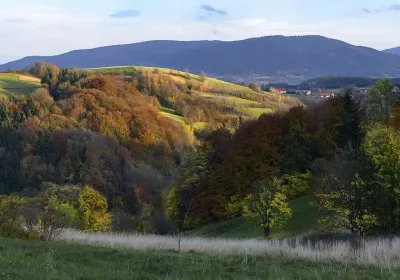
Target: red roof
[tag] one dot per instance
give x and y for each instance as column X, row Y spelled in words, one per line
column 324, row 94
column 280, row 89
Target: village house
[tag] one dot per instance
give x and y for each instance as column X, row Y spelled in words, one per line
column 325, row 94
column 280, row 90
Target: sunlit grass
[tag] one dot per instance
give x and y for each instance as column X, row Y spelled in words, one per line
column 15, row 84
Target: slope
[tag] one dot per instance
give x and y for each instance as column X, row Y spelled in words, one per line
column 14, row 84
column 199, row 100
column 306, row 56
column 304, row 220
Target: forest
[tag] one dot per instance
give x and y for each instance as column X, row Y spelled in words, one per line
column 93, row 151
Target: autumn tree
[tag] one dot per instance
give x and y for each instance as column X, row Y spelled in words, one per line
column 94, row 207
column 267, row 206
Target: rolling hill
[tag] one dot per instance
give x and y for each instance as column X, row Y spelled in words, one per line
column 393, row 51
column 273, row 56
column 232, row 100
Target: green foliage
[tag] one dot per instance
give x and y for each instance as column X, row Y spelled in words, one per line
column 54, row 212
column 94, row 210
column 381, row 151
column 267, row 207
column 184, row 202
column 381, row 100
column 11, row 219
column 296, row 185
column 341, row 195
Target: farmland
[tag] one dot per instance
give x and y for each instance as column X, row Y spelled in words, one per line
column 15, row 84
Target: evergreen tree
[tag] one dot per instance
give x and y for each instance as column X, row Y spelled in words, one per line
column 350, row 131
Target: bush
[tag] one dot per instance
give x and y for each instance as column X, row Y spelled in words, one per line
column 11, row 219
column 54, row 214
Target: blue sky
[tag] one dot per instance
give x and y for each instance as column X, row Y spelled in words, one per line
column 48, row 27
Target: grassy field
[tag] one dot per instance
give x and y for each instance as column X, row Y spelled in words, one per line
column 14, row 84
column 170, row 113
column 305, row 220
column 28, row 260
column 127, row 70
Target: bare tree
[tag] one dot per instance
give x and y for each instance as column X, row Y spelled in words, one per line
column 179, row 232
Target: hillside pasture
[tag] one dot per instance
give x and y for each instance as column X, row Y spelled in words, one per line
column 120, row 70
column 34, row 260
column 15, row 84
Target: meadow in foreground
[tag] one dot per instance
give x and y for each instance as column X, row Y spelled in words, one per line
column 379, row 252
column 38, row 260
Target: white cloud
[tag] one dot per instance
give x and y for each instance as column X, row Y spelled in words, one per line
column 44, row 30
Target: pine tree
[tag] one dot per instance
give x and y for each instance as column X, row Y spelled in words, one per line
column 350, row 131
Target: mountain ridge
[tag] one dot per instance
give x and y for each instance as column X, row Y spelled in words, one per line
column 395, row 51
column 308, row 56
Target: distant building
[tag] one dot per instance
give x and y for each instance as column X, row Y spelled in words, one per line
column 396, row 90
column 325, row 94
column 280, row 90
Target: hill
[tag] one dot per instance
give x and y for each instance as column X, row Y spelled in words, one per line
column 393, row 51
column 273, row 56
column 192, row 99
column 14, row 84
column 304, row 220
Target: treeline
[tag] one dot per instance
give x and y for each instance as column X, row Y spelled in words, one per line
column 330, row 83
column 342, row 152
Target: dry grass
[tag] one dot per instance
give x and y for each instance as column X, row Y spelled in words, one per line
column 28, row 79
column 378, row 252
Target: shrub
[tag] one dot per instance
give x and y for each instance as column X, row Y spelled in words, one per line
column 11, row 219
column 54, row 215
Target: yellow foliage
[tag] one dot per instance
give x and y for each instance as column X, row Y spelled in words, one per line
column 94, row 209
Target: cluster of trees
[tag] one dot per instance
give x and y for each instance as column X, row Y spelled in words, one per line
column 52, row 210
column 342, row 152
column 88, row 129
column 151, row 174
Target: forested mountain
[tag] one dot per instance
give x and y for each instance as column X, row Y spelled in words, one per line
column 307, row 56
column 393, row 51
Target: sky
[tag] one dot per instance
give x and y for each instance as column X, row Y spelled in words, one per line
column 49, row 27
